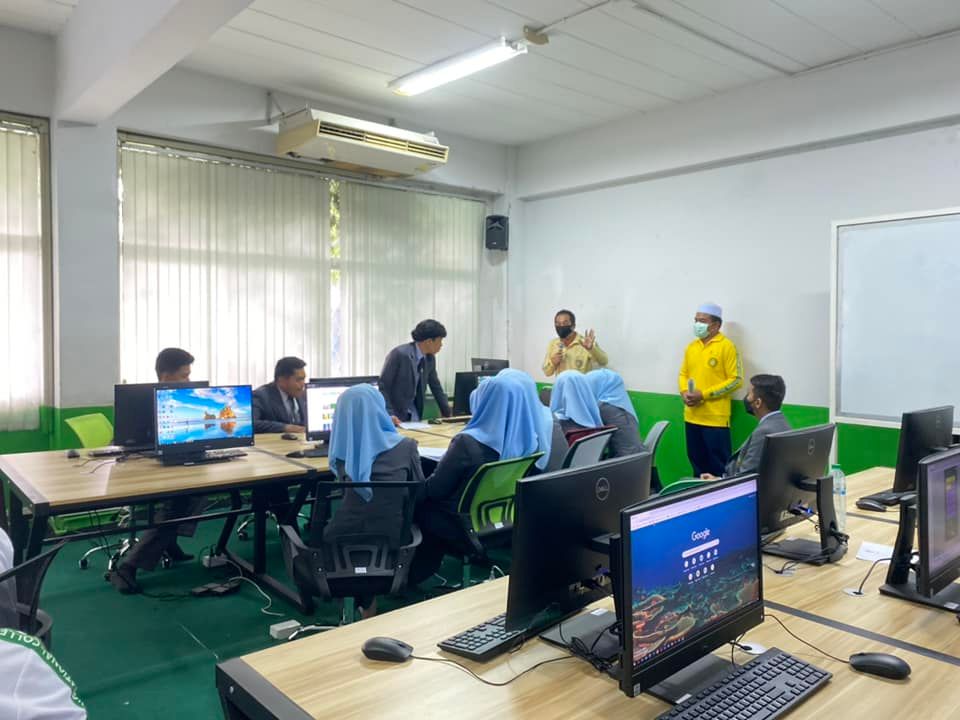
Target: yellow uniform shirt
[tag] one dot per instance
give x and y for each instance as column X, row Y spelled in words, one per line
column 575, row 357
column 716, row 371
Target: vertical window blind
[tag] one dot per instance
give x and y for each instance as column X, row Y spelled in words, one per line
column 404, row 257
column 224, row 259
column 22, row 316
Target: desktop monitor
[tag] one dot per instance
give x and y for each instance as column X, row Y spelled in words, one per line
column 794, row 486
column 561, row 533
column 491, row 365
column 691, row 581
column 465, row 383
column 322, row 395
column 922, row 433
column 133, row 421
column 934, row 513
column 192, row 420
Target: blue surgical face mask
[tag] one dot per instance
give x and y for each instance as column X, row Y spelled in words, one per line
column 701, row 329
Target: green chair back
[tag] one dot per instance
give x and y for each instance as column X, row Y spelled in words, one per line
column 93, row 430
column 488, row 497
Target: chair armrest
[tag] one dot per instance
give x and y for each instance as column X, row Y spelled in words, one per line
column 416, row 537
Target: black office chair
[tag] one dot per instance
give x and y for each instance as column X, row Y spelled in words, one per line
column 358, row 564
column 20, row 596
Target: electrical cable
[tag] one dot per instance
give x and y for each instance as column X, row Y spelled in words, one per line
column 490, row 682
column 808, row 644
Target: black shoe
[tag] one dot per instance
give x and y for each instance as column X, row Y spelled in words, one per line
column 177, row 554
column 124, row 579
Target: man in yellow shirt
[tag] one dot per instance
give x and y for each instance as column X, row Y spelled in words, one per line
column 571, row 351
column 710, row 372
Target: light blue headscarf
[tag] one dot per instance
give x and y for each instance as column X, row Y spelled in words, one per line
column 572, row 399
column 608, row 387
column 361, row 431
column 509, row 417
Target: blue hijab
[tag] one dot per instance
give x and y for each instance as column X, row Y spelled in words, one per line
column 508, row 417
column 608, row 387
column 572, row 399
column 361, row 431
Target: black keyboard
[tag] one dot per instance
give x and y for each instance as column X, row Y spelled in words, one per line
column 317, row 452
column 888, row 497
column 484, row 641
column 768, row 686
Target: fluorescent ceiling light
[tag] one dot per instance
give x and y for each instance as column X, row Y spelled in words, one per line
column 456, row 67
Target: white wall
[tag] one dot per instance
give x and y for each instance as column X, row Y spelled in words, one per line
column 633, row 261
column 185, row 105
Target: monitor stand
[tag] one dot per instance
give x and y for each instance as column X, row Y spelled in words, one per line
column 902, row 577
column 832, row 545
column 691, row 680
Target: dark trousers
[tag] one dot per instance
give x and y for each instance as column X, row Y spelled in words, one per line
column 146, row 553
column 708, row 449
column 442, row 534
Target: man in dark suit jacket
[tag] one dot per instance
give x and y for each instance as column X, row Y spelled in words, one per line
column 763, row 400
column 409, row 368
column 278, row 406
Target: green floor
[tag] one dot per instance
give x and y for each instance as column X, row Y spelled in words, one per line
column 138, row 657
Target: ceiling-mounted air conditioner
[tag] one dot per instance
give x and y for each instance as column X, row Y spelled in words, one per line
column 357, row 145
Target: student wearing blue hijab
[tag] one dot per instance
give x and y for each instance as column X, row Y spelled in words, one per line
column 573, row 403
column 505, row 424
column 617, row 410
column 365, row 446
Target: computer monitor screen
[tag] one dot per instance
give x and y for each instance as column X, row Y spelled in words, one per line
column 790, row 462
column 922, row 433
column 488, row 364
column 191, row 420
column 465, row 383
column 938, row 527
column 691, row 577
column 322, row 397
column 133, row 421
column 557, row 567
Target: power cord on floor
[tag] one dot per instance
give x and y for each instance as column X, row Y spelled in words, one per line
column 266, row 608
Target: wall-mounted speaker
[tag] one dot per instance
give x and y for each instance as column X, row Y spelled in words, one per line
column 497, row 232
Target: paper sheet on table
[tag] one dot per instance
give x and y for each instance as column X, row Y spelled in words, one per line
column 431, row 453
column 415, row 425
column 874, row 551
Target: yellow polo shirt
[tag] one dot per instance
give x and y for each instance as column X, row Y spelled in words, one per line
column 575, row 357
column 716, row 371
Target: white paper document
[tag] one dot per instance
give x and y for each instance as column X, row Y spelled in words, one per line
column 874, row 551
column 431, row 453
column 415, row 425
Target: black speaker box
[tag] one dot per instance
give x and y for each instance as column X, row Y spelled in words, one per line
column 497, row 232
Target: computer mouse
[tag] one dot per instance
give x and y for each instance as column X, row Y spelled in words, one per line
column 295, row 454
column 882, row 664
column 72, row 453
column 871, row 504
column 387, row 649
column 289, row 436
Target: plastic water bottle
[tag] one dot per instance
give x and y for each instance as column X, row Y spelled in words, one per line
column 839, row 496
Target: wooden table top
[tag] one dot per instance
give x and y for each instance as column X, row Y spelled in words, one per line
column 326, row 675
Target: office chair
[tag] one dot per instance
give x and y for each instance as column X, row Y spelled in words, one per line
column 486, row 510
column 354, row 564
column 651, row 443
column 20, row 596
column 588, row 446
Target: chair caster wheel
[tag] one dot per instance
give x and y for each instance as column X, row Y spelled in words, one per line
column 83, row 563
column 166, row 562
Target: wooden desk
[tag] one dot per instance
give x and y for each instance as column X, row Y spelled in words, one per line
column 819, row 591
column 327, row 676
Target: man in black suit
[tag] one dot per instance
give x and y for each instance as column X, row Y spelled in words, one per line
column 278, row 406
column 763, row 400
column 409, row 368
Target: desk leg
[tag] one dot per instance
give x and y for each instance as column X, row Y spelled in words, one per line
column 259, row 502
column 231, row 522
column 4, row 520
column 18, row 528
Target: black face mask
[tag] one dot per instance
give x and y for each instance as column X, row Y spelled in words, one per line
column 564, row 331
column 748, row 406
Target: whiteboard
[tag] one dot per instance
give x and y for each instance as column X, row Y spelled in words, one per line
column 896, row 324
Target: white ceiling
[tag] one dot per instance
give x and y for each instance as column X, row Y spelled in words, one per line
column 626, row 57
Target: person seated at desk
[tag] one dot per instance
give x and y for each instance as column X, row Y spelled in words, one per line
column 172, row 365
column 573, row 403
column 553, row 449
column 365, row 446
column 763, row 400
column 278, row 406
column 408, row 369
column 33, row 685
column 617, row 410
column 506, row 424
